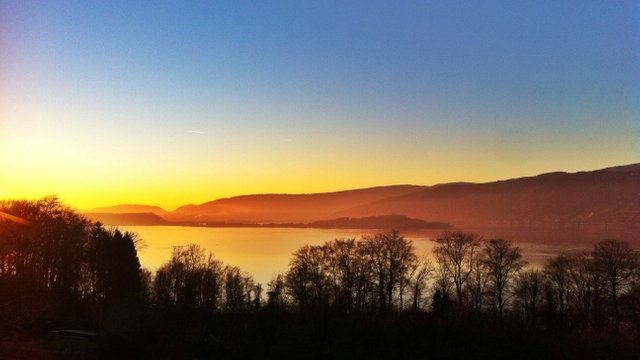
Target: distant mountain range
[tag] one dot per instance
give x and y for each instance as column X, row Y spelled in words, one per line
column 287, row 208
column 127, row 218
column 130, row 209
column 604, row 201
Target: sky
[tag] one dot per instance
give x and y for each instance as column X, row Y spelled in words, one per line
column 177, row 102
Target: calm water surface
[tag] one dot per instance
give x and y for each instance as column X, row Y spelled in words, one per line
column 265, row 252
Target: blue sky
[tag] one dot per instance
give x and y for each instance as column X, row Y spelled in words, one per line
column 358, row 93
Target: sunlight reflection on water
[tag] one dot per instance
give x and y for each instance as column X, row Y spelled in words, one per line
column 265, row 252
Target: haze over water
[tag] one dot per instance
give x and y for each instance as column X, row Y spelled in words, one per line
column 265, row 252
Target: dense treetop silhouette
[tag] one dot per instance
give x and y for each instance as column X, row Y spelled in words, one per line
column 59, row 270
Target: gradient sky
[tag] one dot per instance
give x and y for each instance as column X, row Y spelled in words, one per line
column 168, row 103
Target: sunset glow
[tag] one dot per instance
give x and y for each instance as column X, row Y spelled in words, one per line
column 319, row 179
column 171, row 103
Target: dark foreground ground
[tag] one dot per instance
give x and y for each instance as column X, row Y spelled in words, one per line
column 275, row 335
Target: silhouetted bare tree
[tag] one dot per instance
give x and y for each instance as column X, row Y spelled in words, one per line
column 503, row 262
column 583, row 289
column 477, row 284
column 420, row 272
column 343, row 258
column 307, row 278
column 557, row 274
column 528, row 290
column 190, row 280
column 239, row 290
column 390, row 255
column 616, row 262
column 456, row 253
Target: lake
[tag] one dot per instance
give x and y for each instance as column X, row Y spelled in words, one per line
column 265, row 252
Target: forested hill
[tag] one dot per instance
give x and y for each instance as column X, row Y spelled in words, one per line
column 127, row 218
column 607, row 200
column 129, row 209
column 588, row 203
column 286, row 208
column 384, row 222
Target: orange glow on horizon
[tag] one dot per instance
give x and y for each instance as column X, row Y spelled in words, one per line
column 128, row 103
column 97, row 165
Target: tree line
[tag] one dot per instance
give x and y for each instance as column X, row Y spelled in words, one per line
column 465, row 273
column 55, row 263
column 59, row 269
